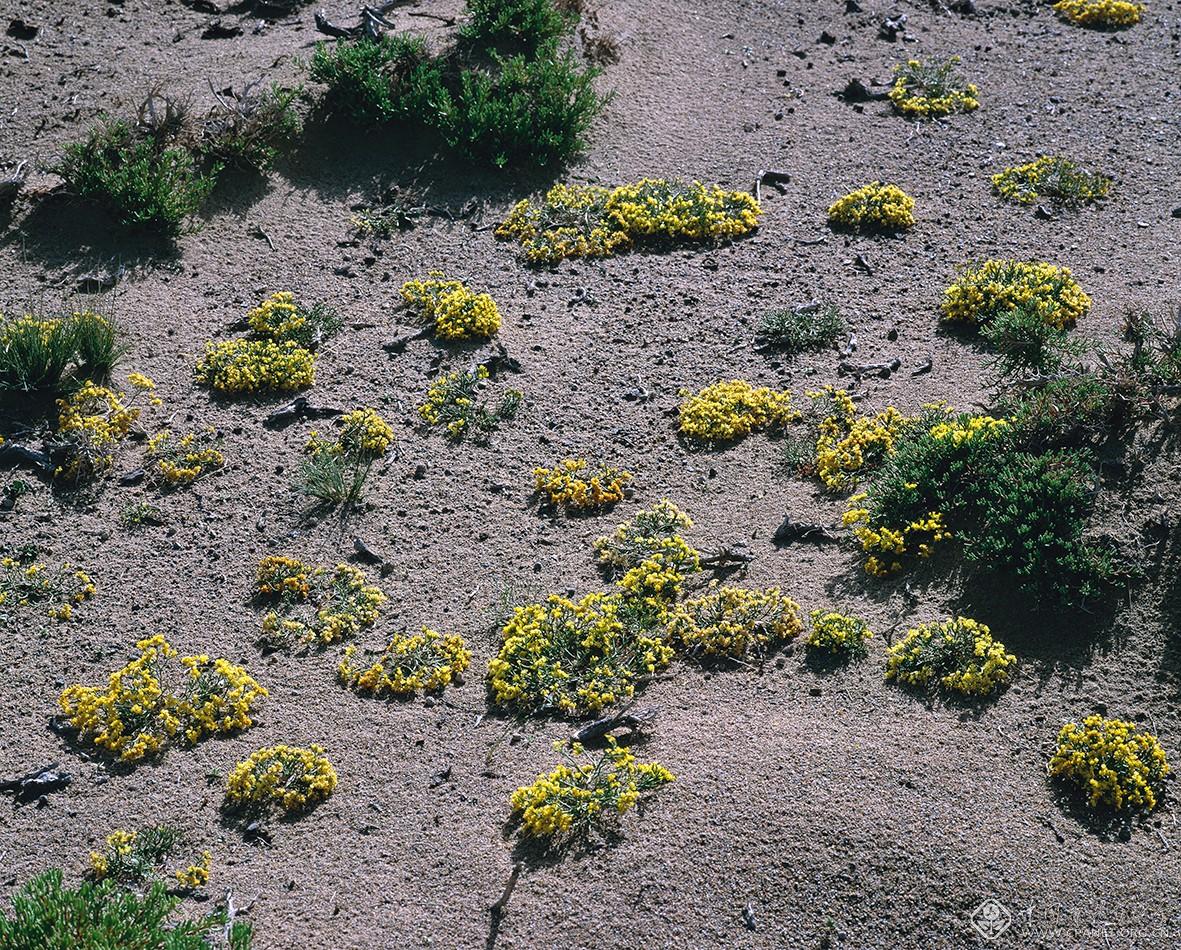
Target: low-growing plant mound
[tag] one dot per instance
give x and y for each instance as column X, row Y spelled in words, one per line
column 451, row 309
column 1051, row 178
column 838, row 635
column 958, row 655
column 452, row 404
column 409, row 664
column 313, row 605
column 726, row 411
column 334, row 471
column 735, row 622
column 280, row 779
column 792, row 330
column 932, row 89
column 1111, row 764
column 1103, row 14
column 576, row 484
column 135, row 858
column 873, row 207
column 984, row 291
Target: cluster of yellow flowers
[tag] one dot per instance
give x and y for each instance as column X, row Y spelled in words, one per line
column 592, row 221
column 27, row 582
column 1100, row 13
column 845, row 444
column 282, row 319
column 958, row 654
column 454, row 311
column 252, row 366
column 1113, row 763
column 838, row 634
column 574, row 484
column 159, row 697
column 873, row 207
column 735, row 622
column 986, row 290
column 731, row 410
column 364, row 436
column 649, row 557
column 329, row 604
column 451, row 403
column 929, row 90
column 573, row 657
column 286, row 778
column 586, row 792
column 959, row 431
column 181, row 461
column 1058, row 179
column 409, row 664
column 887, row 546
column 91, row 424
column 136, row 857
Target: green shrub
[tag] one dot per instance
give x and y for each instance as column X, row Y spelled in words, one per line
column 373, row 82
column 249, row 129
column 1071, row 411
column 54, row 354
column 1025, row 342
column 48, row 916
column 793, row 330
column 145, row 181
column 515, row 26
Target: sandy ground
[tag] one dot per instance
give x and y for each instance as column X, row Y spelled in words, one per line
column 841, row 810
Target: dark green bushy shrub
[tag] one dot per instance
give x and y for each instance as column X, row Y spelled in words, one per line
column 515, row 26
column 373, row 82
column 48, row 916
column 146, row 182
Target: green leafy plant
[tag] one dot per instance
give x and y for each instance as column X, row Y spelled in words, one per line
column 46, row 915
column 52, row 354
column 373, row 82
column 792, row 330
column 1025, row 342
column 516, row 26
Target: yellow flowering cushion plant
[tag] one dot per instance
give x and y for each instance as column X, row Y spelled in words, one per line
column 837, row 634
column 1111, row 763
column 985, row 290
column 930, row 90
column 281, row 318
column 133, row 858
column 1104, row 14
column 735, row 622
column 159, row 698
column 573, row 483
column 314, row 606
column 649, row 559
column 280, row 778
column 573, row 657
column 958, row 655
column 453, row 404
column 1050, row 178
column 25, row 582
column 873, row 207
column 584, row 792
column 91, row 425
column 847, row 444
column 177, row 461
column 253, row 366
column 418, row 663
column 364, row 433
column 451, row 309
column 725, row 411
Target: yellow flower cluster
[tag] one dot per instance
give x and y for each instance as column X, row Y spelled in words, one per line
column 1100, row 13
column 887, row 546
column 587, row 791
column 838, row 634
column 195, row 876
column 649, row 557
column 182, row 461
column 160, row 697
column 1113, row 763
column 286, row 778
column 730, row 410
column 1052, row 177
column 364, row 436
column 282, row 319
column 136, row 857
column 929, row 90
column 329, row 604
column 454, row 311
column 574, row 484
column 23, row 583
column 451, row 402
column 591, row 221
column 873, row 207
column 573, row 657
column 735, row 622
column 959, row 431
column 410, row 664
column 252, row 366
column 958, row 654
column 91, row 424
column 845, row 444
column 985, row 290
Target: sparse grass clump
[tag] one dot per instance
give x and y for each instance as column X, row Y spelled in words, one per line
column 726, row 411
column 313, row 605
column 334, row 472
column 451, row 309
column 411, row 663
column 56, row 354
column 452, row 403
column 241, row 367
column 794, row 330
column 591, row 221
column 586, row 792
column 575, row 484
column 984, row 291
column 281, row 778
column 283, row 319
column 159, row 698
column 874, row 207
column 26, row 582
column 735, row 622
column 176, row 461
column 838, row 635
column 1111, row 764
column 958, row 655
column 929, row 90
column 1103, row 14
column 46, row 915
column 250, row 128
column 1051, row 178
